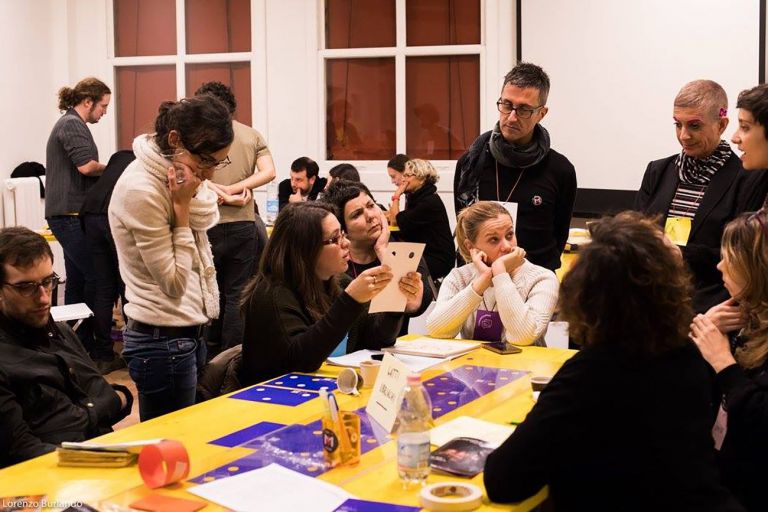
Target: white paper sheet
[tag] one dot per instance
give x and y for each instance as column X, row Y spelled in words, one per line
column 71, row 312
column 465, row 426
column 402, row 257
column 272, row 489
column 418, row 363
column 353, row 359
column 131, row 446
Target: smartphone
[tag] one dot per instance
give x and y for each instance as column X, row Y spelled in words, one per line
column 502, row 347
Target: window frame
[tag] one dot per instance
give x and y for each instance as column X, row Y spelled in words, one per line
column 496, row 55
column 257, row 59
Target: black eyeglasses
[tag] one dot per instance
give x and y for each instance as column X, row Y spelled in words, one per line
column 206, row 162
column 522, row 111
column 336, row 240
column 30, row 288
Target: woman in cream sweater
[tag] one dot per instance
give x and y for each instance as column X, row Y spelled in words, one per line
column 499, row 295
column 159, row 213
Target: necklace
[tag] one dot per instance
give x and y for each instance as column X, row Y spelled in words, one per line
column 498, row 192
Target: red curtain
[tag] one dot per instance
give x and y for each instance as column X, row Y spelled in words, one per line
column 139, row 92
column 237, row 75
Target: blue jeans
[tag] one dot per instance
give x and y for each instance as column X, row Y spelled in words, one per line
column 77, row 263
column 164, row 370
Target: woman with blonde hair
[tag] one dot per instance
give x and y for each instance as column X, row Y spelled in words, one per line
column 424, row 219
column 499, row 295
column 741, row 363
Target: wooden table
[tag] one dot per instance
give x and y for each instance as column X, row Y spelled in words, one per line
column 374, row 478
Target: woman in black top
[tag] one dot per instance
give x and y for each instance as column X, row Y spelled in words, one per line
column 424, row 218
column 741, row 428
column 368, row 232
column 295, row 310
column 625, row 423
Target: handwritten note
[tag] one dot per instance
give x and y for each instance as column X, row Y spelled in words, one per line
column 387, row 393
column 402, row 257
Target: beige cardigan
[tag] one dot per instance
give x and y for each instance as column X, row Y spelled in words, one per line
column 158, row 263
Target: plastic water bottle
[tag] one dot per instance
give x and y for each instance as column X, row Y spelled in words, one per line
column 272, row 202
column 415, row 421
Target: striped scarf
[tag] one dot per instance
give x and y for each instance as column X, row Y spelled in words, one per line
column 698, row 171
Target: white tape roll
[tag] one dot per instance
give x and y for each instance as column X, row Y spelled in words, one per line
column 451, row 497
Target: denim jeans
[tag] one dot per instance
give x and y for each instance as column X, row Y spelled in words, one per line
column 106, row 284
column 164, row 370
column 77, row 264
column 234, row 246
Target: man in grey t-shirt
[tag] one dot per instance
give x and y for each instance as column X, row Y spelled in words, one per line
column 72, row 167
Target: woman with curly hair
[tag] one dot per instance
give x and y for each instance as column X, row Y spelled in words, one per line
column 741, row 429
column 625, row 423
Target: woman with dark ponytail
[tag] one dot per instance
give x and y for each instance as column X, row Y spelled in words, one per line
column 160, row 211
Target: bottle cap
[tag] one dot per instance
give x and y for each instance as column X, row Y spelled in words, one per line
column 414, row 378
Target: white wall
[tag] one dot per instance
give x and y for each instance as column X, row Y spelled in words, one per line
column 616, row 67
column 27, row 82
column 44, row 45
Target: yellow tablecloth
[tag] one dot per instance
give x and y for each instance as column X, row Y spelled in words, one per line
column 374, row 478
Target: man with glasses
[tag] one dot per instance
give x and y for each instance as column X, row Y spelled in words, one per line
column 514, row 164
column 240, row 236
column 50, row 390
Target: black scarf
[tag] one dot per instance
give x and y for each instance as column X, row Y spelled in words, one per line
column 519, row 157
column 699, row 171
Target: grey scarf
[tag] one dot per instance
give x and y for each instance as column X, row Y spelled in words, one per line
column 519, row 157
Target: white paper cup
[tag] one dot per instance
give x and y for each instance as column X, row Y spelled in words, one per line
column 538, row 383
column 348, row 382
column 369, row 370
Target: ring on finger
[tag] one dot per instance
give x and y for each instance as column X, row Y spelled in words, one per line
column 374, row 279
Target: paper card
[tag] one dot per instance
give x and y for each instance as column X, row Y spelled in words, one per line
column 278, row 396
column 247, row 434
column 678, row 229
column 159, row 503
column 387, row 393
column 402, row 257
column 512, row 209
column 303, row 381
column 373, row 506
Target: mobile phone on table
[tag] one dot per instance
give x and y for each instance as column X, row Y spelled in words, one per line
column 502, row 347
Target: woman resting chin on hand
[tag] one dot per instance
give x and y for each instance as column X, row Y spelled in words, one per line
column 499, row 295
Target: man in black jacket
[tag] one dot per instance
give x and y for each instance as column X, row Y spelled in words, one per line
column 50, row 390
column 304, row 185
column 515, row 165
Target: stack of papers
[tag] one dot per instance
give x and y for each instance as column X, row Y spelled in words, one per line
column 113, row 455
column 430, row 347
column 414, row 363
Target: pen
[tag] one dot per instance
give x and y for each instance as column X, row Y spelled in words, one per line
column 336, row 418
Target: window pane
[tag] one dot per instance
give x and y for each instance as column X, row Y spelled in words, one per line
column 360, row 109
column 442, row 108
column 218, row 26
column 237, row 75
column 139, row 90
column 359, row 23
column 439, row 22
column 145, row 27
